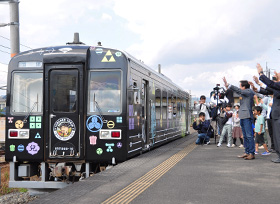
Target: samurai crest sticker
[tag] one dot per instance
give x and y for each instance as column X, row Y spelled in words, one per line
column 64, row 129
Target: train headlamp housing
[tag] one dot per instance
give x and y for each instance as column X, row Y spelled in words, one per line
column 110, row 134
column 18, row 134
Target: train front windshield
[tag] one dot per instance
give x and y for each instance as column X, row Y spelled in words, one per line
column 105, row 92
column 27, row 89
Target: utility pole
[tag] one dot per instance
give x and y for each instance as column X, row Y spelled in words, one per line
column 14, row 27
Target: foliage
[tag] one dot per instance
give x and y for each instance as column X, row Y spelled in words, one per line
column 23, row 190
column 1, row 115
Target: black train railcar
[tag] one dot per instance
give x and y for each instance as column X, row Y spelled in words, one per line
column 70, row 108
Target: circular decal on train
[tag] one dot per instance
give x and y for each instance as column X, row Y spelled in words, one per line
column 94, row 123
column 110, row 124
column 64, row 129
column 19, row 124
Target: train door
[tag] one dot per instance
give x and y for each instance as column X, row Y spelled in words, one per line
column 64, row 111
column 144, row 110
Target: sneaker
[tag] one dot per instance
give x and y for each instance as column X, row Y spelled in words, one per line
column 266, row 153
column 261, row 147
column 219, row 145
column 208, row 143
column 240, row 146
column 256, row 152
column 228, row 145
column 233, row 145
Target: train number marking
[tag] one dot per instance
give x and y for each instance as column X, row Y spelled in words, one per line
column 32, row 148
column 110, row 124
column 92, row 140
column 94, row 123
column 19, row 124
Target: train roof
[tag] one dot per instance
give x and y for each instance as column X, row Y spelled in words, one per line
column 151, row 70
column 78, row 52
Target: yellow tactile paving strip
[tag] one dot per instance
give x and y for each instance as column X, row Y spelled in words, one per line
column 133, row 190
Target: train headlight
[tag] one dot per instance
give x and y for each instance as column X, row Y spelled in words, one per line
column 105, row 135
column 24, row 134
column 110, row 134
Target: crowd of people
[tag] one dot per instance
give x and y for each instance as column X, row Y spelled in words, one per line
column 258, row 108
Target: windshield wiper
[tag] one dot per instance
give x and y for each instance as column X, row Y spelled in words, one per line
column 99, row 109
column 25, row 118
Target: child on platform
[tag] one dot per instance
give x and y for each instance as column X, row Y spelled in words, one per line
column 237, row 132
column 259, row 130
column 227, row 129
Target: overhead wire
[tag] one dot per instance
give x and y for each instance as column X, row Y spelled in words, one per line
column 4, row 52
column 5, row 46
column 20, row 44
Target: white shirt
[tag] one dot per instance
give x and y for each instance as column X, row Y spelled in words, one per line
column 203, row 109
column 225, row 100
column 214, row 101
column 270, row 100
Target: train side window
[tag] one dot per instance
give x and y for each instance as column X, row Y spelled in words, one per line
column 174, row 106
column 170, row 110
column 164, row 105
column 158, row 104
column 179, row 106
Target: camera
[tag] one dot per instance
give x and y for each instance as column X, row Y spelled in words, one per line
column 217, row 88
column 274, row 78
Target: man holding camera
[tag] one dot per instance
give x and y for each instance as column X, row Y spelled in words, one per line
column 203, row 127
column 246, row 116
column 203, row 107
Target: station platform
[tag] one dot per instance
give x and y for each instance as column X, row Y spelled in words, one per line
column 180, row 172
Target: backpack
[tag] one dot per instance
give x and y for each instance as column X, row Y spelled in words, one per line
column 211, row 132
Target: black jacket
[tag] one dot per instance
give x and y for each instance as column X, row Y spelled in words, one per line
column 203, row 127
column 273, row 87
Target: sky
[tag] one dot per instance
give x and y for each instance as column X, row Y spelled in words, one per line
column 196, row 42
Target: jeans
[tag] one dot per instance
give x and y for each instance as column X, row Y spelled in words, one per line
column 247, row 130
column 200, row 138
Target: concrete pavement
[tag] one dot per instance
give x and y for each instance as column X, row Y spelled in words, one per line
column 180, row 172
